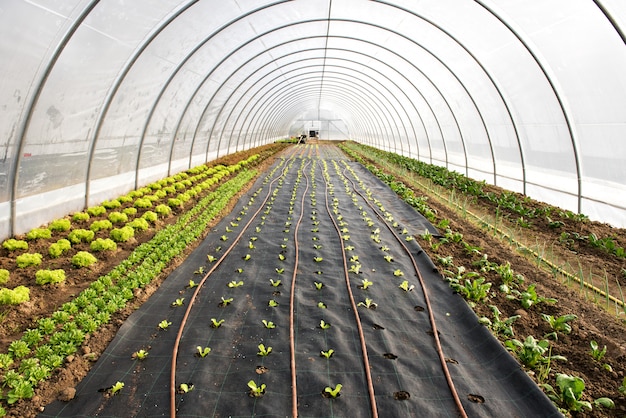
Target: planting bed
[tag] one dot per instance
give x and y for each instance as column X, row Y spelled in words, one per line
column 314, row 280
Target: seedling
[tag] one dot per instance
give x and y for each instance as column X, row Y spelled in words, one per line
column 365, row 284
column 559, row 324
column 264, row 351
column 499, row 326
column 384, row 248
column 192, row 284
column 596, row 352
column 224, row 238
column 164, row 324
column 388, row 258
column 327, row 354
column 398, row 273
column 317, row 246
column 118, row 386
column 532, row 352
column 369, row 304
column 354, row 259
column 203, row 352
column 211, row 258
column 268, row 324
column 405, row 286
column 319, row 285
column 185, row 387
column 333, row 393
column 199, row 271
column 349, row 248
column 272, row 303
column 239, row 270
column 235, row 283
column 275, row 283
column 324, row 325
column 321, row 305
column 225, row 302
column 215, row 323
column 317, row 259
column 250, row 245
column 355, row 268
column 178, row 302
column 140, row 355
column 280, row 271
column 246, row 257
column 281, row 257
column 256, row 391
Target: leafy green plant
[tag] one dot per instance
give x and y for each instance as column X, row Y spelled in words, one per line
column 144, row 203
column 178, row 302
column 596, row 352
column 103, row 244
column 28, row 260
column 268, row 324
column 225, row 301
column 18, row 349
column 60, row 225
column 275, row 283
column 264, row 351
column 43, row 277
column 569, row 394
column 532, row 352
column 38, row 233
column 101, row 225
column 57, row 248
column 116, row 388
column 83, row 259
column 118, row 217
column 235, row 283
column 164, row 324
column 4, row 276
column 76, row 236
column 559, row 324
column 215, row 323
column 327, row 354
column 149, row 216
column 22, row 389
column 13, row 244
column 163, row 210
column 203, row 351
column 369, row 304
column 185, row 387
column 256, row 391
column 499, row 326
column 140, row 354
column 474, row 290
column 122, row 234
column 80, row 217
column 138, row 224
column 529, row 297
column 333, row 393
column 405, row 286
column 324, row 325
column 321, row 305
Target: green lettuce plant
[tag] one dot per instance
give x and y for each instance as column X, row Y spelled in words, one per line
column 83, row 259
column 28, row 259
column 43, row 277
column 38, row 233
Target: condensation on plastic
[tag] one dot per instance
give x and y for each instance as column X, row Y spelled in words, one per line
column 528, row 95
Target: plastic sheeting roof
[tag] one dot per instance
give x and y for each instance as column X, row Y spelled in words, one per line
column 99, row 97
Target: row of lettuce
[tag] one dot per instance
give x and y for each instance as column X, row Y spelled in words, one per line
column 539, row 355
column 44, row 348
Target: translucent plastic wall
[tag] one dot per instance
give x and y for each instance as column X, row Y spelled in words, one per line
column 100, row 97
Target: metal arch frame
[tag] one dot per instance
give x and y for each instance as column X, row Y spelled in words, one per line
column 417, row 113
column 560, row 97
column 326, row 59
column 113, row 89
column 261, row 104
column 32, row 102
column 611, row 19
column 357, row 22
column 275, row 111
column 370, row 117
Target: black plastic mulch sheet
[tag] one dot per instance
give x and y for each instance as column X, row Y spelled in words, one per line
column 398, row 334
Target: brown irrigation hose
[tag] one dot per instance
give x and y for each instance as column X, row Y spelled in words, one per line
column 431, row 316
column 292, row 339
column 195, row 294
column 366, row 364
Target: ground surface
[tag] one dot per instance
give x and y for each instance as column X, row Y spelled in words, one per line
column 593, row 322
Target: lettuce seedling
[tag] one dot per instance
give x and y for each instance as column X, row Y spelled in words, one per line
column 164, row 324
column 405, row 286
column 256, row 391
column 327, row 354
column 333, row 392
column 268, row 324
column 355, row 268
column 223, row 238
column 246, row 257
column 178, row 302
column 321, row 305
column 365, row 284
column 596, row 352
column 317, row 246
column 319, row 285
column 398, row 273
column 264, row 351
column 234, row 283
column 192, row 284
column 203, row 351
column 118, row 386
column 140, row 355
column 324, row 325
column 272, row 303
column 239, row 270
column 251, row 245
column 215, row 323
column 349, row 248
column 185, row 387
column 211, row 258
column 275, row 283
column 225, row 302
column 280, row 271
column 388, row 258
column 369, row 304
column 317, row 259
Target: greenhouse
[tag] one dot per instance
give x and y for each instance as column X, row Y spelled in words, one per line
column 319, row 208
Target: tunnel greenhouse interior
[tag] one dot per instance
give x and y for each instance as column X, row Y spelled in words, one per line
column 442, row 181
column 101, row 97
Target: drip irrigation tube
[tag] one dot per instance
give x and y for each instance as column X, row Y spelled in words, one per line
column 368, row 374
column 199, row 287
column 431, row 317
